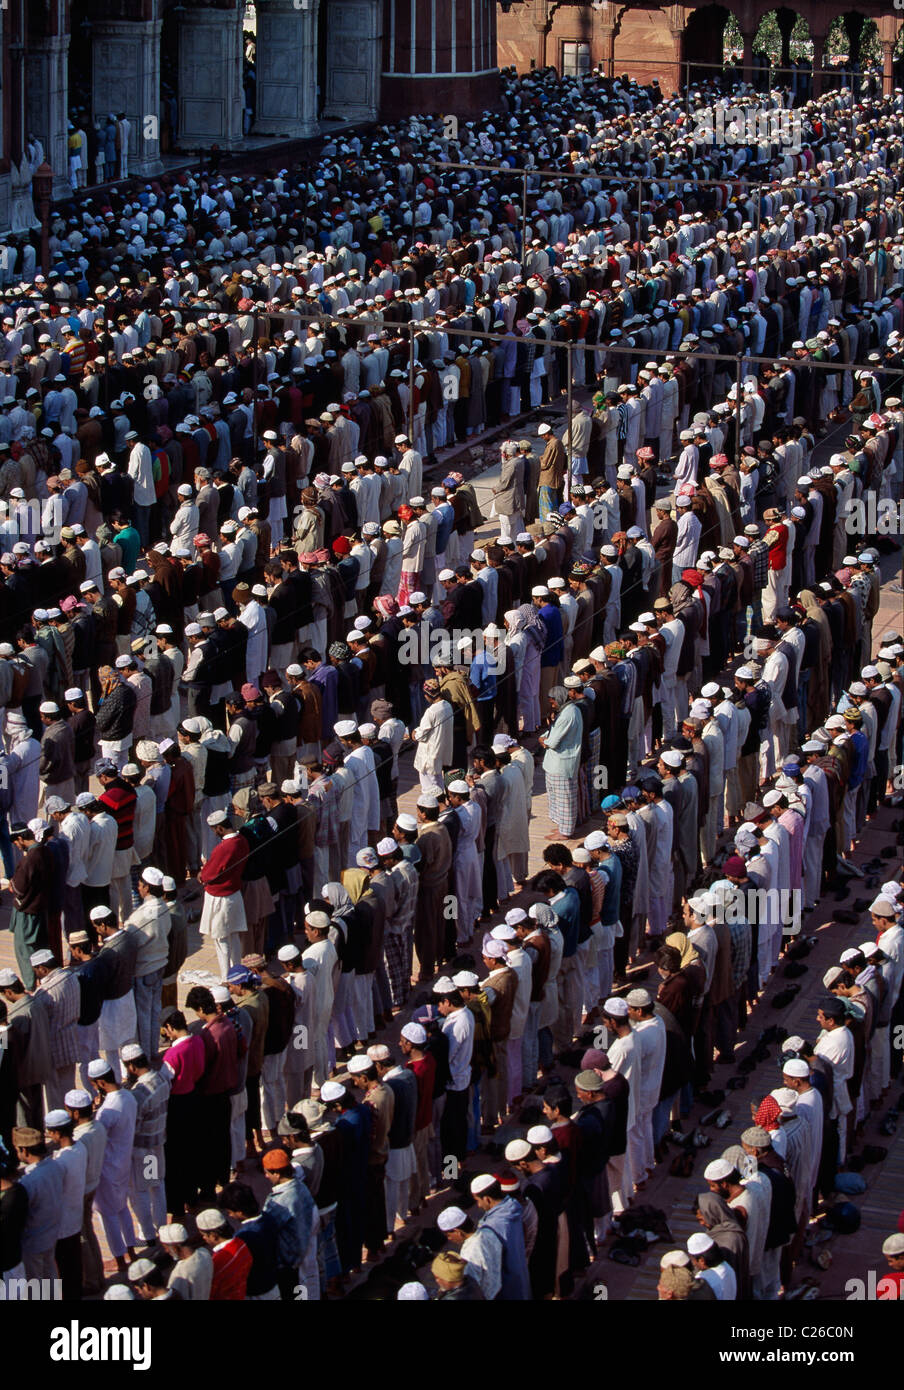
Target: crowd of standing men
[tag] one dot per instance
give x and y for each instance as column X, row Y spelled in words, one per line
column 232, row 606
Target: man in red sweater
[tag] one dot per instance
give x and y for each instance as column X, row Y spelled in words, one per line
column 778, row 577
column 223, row 914
column 231, row 1256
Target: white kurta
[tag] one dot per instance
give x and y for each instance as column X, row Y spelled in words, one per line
column 433, row 737
column 366, row 805
column 252, row 617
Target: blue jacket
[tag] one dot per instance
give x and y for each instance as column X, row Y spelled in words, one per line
column 292, row 1206
column 506, row 1222
column 554, row 647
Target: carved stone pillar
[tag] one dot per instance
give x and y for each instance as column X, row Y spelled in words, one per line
column 125, row 76
column 353, row 51
column 747, row 61
column 47, row 104
column 211, row 98
column 819, row 62
column 286, row 68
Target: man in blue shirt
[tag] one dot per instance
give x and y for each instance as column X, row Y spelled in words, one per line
column 553, row 653
column 855, row 796
column 502, row 1216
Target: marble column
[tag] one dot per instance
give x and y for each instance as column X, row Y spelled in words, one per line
column 819, row 62
column 125, row 76
column 211, row 99
column 286, row 69
column 47, row 104
column 748, row 36
column 353, row 46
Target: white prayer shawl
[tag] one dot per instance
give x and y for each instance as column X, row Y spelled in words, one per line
column 837, row 1046
column 625, row 1058
column 433, row 737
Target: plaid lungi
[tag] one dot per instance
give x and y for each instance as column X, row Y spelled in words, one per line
column 397, row 948
column 549, row 502
column 562, row 795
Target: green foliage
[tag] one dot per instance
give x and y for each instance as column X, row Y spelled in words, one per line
column 769, row 40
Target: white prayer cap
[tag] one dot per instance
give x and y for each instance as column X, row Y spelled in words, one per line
column 289, row 952
column 345, row 728
column 359, row 1063
column 330, row 1091
column 415, row 1033
column 444, row 985
column 699, row 1242
column 595, row 840
column 459, row 787
column 42, row 957
column 868, row 949
column 882, row 907
column 406, row 822
column 412, row 1293
column 217, row 818
column 118, row 1293
column 539, row 1134
column 99, row 1068
column 131, row 1051
column 671, row 757
column 49, row 707
column 465, row 979
column 516, row 1150
column 515, row 915
column 503, row 933
column 772, row 799
column 220, row 994
column 892, row 889
column 674, row 1259
column 173, row 1234
column 77, row 1100
column 481, row 1183
column 140, row 1269
column 785, row 1097
column 55, row 1118
column 153, row 877
column 796, row 1066
column 387, row 846
column 792, row 1044
column 718, row 1170
column 745, row 673
column 451, row 1218
column 615, row 1007
column 366, row 858
column 210, row 1219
